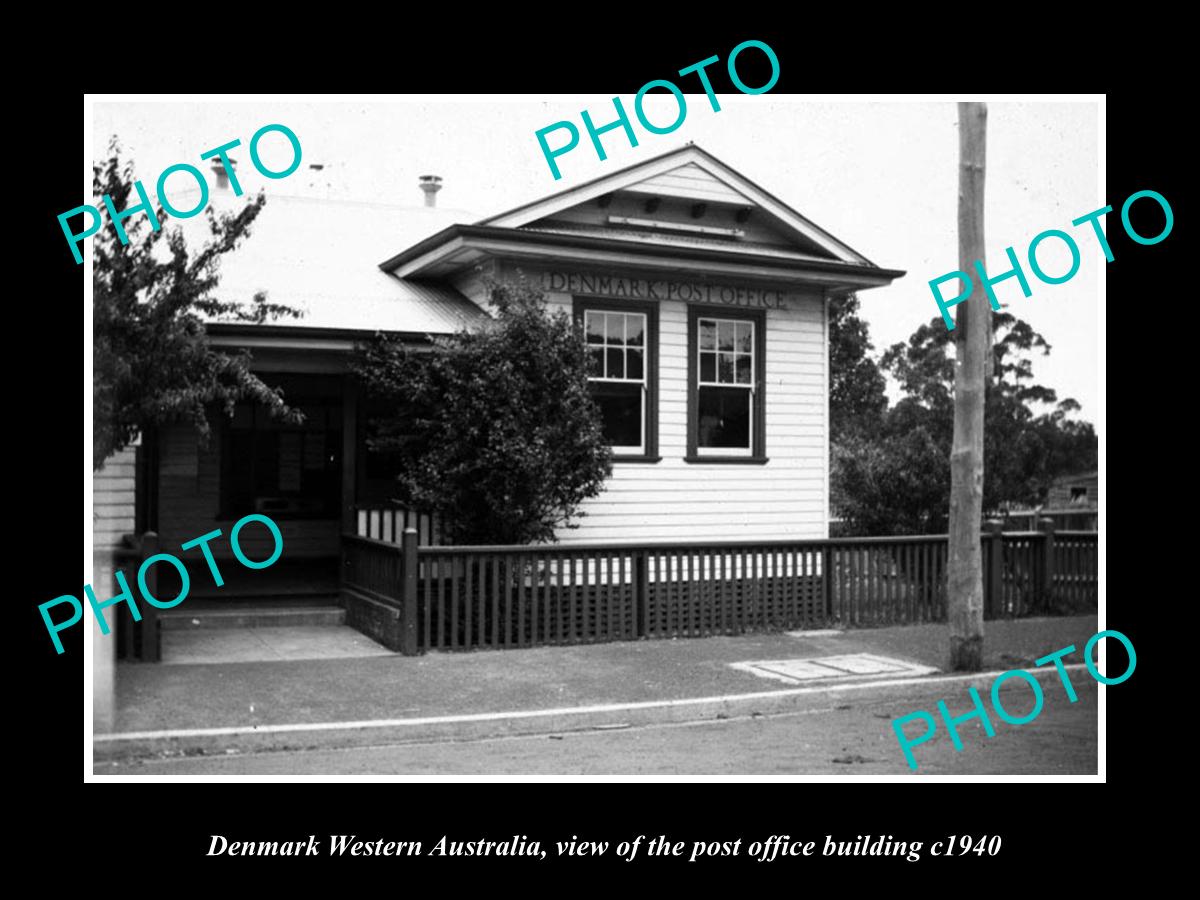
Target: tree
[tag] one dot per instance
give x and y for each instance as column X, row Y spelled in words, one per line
column 964, row 567
column 492, row 429
column 860, row 472
column 152, row 361
column 1024, row 451
column 890, row 487
column 889, row 474
column 889, row 470
column 857, row 398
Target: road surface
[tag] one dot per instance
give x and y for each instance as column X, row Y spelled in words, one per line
column 845, row 735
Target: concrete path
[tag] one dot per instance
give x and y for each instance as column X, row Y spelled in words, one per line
column 214, row 646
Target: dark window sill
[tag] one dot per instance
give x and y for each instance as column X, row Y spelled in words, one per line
column 727, row 460
column 636, row 459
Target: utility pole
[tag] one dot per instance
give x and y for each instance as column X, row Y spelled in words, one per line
column 973, row 332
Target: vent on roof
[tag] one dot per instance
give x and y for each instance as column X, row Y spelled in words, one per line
column 656, row 225
column 430, row 184
column 218, row 168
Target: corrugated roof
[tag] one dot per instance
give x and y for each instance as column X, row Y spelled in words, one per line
column 321, row 255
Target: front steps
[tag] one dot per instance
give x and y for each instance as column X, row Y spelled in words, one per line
column 252, row 613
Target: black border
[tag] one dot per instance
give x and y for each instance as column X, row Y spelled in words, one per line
column 1042, row 826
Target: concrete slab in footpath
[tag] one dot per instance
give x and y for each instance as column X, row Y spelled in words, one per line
column 288, row 704
column 213, row 646
column 824, row 668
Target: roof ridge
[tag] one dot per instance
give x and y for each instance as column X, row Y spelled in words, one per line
column 348, row 201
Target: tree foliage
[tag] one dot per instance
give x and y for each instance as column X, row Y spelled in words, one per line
column 492, row 428
column 892, row 475
column 152, row 361
column 857, row 388
column 886, row 487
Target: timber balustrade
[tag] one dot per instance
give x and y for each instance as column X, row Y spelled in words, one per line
column 498, row 597
column 387, row 520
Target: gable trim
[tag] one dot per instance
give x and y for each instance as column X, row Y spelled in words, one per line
column 510, row 242
column 659, row 165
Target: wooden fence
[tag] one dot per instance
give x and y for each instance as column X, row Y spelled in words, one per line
column 499, row 597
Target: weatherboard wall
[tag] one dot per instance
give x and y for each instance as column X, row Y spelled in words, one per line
column 673, row 499
column 113, row 508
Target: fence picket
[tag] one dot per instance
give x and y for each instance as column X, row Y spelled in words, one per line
column 495, row 602
column 520, row 600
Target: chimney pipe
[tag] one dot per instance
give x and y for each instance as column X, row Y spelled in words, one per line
column 218, row 168
column 430, row 184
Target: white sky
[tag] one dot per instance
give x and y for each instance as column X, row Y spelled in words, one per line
column 880, row 176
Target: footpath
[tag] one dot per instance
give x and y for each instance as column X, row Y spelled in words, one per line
column 374, row 700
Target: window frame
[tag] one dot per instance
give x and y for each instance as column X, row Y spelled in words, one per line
column 582, row 304
column 758, row 446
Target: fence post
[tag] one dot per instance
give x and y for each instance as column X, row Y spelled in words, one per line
column 827, row 581
column 993, row 585
column 408, row 597
column 1046, row 525
column 151, row 646
column 641, row 587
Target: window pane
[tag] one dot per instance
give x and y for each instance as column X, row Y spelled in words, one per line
column 725, row 368
column 616, row 328
column 633, row 363
column 595, row 356
column 708, row 367
column 241, row 473
column 616, row 362
column 724, row 335
column 594, row 325
column 314, row 451
column 290, row 461
column 635, row 330
column 266, row 463
column 708, row 334
column 266, row 420
column 745, row 373
column 745, row 337
column 724, row 419
column 620, row 411
column 314, row 418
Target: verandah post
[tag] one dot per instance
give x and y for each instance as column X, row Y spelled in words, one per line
column 408, row 597
column 349, row 456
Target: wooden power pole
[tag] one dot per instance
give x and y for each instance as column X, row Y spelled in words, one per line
column 973, row 333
